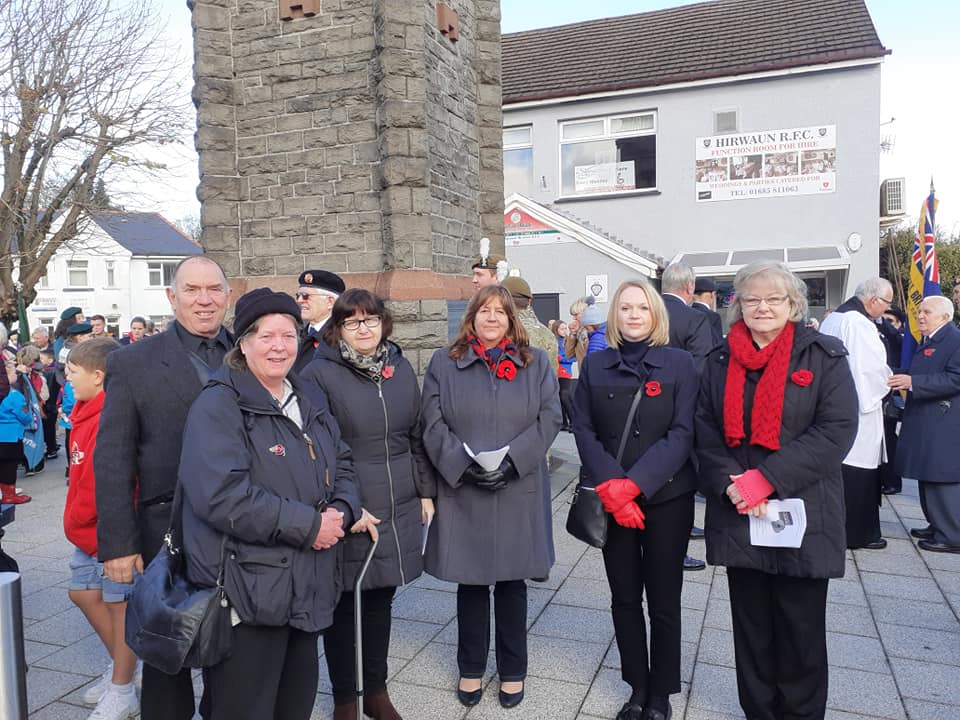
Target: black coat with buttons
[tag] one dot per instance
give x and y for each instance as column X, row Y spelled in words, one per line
column 661, row 434
column 818, row 426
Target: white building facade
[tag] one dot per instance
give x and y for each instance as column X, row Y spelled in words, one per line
column 119, row 266
column 700, row 145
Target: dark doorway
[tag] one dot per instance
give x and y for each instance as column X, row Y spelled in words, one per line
column 546, row 306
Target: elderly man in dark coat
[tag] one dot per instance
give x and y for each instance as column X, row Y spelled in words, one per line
column 705, row 302
column 690, row 331
column 139, row 442
column 319, row 290
column 931, row 424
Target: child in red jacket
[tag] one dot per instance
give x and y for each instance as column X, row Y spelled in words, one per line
column 101, row 600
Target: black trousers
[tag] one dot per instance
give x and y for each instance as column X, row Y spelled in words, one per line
column 861, row 498
column 50, row 432
column 339, row 645
column 888, row 474
column 940, row 503
column 271, row 675
column 780, row 644
column 567, row 388
column 473, row 629
column 649, row 561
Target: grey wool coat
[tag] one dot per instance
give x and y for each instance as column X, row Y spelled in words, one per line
column 479, row 537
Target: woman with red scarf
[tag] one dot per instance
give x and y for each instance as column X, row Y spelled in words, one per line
column 487, row 392
column 776, row 416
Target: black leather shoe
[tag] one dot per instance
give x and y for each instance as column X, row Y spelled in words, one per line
column 933, row 546
column 651, row 714
column 690, row 563
column 890, row 490
column 875, row 545
column 630, row 711
column 922, row 533
column 509, row 700
column 696, row 533
column 469, row 698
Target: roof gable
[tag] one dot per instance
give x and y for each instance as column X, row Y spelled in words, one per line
column 695, row 42
column 145, row 233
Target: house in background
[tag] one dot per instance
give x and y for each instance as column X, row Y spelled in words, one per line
column 118, row 266
column 717, row 133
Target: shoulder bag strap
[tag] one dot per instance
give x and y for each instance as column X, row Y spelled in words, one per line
column 625, row 435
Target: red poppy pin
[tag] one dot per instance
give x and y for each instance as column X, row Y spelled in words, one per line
column 653, row 388
column 278, row 450
column 506, row 370
column 802, row 377
column 929, row 351
column 387, row 372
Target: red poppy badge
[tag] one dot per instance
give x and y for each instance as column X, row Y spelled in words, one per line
column 507, row 370
column 278, row 450
column 802, row 377
column 928, row 352
column 652, row 388
column 387, row 372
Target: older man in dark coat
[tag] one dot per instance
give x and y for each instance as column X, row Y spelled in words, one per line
column 139, row 442
column 705, row 302
column 690, row 331
column 931, row 424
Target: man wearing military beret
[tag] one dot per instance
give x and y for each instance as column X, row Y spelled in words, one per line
column 319, row 290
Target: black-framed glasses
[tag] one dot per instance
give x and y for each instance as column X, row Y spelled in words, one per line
column 354, row 324
column 306, row 294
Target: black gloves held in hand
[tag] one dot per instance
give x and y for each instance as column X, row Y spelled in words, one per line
column 490, row 479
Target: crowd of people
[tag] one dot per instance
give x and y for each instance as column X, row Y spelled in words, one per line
column 303, row 431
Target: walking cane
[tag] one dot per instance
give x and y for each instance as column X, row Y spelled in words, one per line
column 358, row 621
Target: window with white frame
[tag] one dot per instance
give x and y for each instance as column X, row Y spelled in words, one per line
column 518, row 160
column 160, row 274
column 612, row 154
column 111, row 274
column 77, row 273
column 43, row 282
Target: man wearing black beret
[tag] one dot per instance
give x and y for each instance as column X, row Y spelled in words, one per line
column 705, row 300
column 319, row 290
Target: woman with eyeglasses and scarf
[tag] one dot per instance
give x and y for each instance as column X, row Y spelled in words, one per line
column 776, row 416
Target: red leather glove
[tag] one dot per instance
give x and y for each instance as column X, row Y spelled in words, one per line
column 754, row 488
column 616, row 493
column 630, row 516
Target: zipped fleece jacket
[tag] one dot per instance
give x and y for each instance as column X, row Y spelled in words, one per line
column 249, row 473
column 80, row 510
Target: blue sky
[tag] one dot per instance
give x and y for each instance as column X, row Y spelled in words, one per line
column 918, row 88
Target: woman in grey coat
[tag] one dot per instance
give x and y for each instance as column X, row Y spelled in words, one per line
column 487, row 391
column 374, row 395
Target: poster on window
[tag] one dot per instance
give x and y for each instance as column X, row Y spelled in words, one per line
column 604, row 178
column 767, row 163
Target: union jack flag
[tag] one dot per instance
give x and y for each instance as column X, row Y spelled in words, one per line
column 924, row 274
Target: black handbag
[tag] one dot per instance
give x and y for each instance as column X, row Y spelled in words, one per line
column 587, row 519
column 172, row 623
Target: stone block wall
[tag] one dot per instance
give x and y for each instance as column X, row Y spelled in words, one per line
column 360, row 140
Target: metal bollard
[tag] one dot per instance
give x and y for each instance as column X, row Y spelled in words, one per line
column 13, row 665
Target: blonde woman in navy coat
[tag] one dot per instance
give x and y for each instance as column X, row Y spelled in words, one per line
column 649, row 501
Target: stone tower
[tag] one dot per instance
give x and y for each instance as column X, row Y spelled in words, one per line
column 358, row 136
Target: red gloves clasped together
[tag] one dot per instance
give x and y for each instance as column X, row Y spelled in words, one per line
column 617, row 497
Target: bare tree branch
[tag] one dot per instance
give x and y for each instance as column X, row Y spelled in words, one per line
column 86, row 88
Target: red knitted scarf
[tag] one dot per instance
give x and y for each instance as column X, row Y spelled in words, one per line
column 767, row 411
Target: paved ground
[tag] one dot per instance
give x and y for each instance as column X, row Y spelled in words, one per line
column 894, row 634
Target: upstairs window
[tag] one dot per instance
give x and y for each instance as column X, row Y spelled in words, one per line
column 77, row 273
column 518, row 160
column 160, row 274
column 605, row 155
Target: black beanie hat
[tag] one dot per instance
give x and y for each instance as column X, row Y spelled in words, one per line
column 259, row 302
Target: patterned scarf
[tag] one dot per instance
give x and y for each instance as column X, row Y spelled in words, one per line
column 493, row 356
column 767, row 411
column 371, row 365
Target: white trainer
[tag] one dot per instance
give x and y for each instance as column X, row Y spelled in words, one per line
column 92, row 695
column 116, row 706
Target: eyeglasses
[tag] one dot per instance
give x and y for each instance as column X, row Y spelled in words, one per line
column 885, row 301
column 368, row 322
column 305, row 294
column 771, row 301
